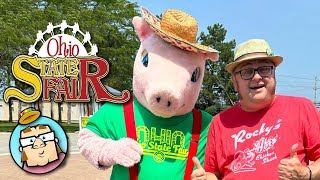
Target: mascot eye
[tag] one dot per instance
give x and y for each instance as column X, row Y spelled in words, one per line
column 145, row 60
column 195, row 75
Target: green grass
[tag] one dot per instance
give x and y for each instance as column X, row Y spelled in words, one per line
column 9, row 127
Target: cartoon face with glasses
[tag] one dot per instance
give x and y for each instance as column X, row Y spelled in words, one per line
column 39, row 146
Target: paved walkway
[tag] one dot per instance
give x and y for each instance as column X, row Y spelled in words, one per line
column 74, row 167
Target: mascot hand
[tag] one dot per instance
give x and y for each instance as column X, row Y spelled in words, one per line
column 124, row 151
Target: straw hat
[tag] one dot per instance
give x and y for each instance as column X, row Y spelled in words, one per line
column 178, row 28
column 252, row 50
column 29, row 115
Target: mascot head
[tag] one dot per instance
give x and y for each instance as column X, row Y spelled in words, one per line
column 169, row 66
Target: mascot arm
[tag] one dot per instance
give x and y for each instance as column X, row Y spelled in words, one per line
column 104, row 153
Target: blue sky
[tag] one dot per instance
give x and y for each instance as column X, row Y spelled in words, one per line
column 291, row 27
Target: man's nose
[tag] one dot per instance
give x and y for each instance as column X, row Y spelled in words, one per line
column 38, row 143
column 256, row 75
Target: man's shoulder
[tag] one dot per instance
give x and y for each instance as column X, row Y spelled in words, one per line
column 293, row 99
column 230, row 110
column 227, row 113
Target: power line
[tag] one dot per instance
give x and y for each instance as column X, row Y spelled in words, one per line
column 294, row 86
column 315, row 89
column 297, row 77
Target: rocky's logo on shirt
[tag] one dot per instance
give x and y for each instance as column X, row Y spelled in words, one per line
column 264, row 130
column 260, row 151
column 64, row 67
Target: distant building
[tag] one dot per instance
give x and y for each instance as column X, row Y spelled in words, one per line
column 67, row 112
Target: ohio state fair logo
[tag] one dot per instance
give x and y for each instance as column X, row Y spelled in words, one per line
column 63, row 62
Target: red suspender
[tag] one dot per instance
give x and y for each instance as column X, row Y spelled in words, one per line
column 131, row 133
column 196, row 129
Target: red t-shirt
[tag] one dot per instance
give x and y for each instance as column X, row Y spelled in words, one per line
column 250, row 145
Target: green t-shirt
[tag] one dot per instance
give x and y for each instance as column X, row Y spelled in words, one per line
column 165, row 141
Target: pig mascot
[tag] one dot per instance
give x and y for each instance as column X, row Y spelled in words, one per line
column 155, row 134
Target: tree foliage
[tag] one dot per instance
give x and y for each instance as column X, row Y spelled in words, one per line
column 3, row 73
column 108, row 21
column 217, row 92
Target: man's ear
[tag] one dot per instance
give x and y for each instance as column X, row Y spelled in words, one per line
column 234, row 82
column 143, row 30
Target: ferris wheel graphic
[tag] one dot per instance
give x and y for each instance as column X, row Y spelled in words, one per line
column 70, row 41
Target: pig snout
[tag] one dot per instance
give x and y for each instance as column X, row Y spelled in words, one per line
column 165, row 100
column 164, row 103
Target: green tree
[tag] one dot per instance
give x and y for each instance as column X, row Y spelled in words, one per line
column 3, row 73
column 217, row 92
column 15, row 30
column 110, row 25
column 108, row 21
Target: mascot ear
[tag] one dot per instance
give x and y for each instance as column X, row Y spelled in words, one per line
column 142, row 28
column 212, row 56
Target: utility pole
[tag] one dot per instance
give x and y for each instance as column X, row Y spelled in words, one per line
column 315, row 90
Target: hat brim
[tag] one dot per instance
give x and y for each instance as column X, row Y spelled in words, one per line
column 29, row 117
column 275, row 59
column 155, row 24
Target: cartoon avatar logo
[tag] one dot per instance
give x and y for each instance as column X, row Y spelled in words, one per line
column 38, row 144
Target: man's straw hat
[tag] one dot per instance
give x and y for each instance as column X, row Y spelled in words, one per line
column 178, row 28
column 252, row 50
